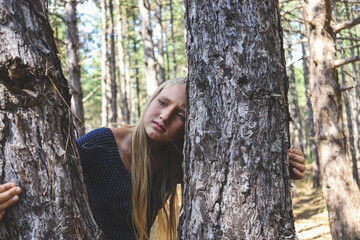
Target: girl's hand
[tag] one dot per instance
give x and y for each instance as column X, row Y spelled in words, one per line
column 297, row 163
column 8, row 196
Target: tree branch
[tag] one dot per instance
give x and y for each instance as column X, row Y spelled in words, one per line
column 347, row 24
column 348, row 38
column 340, row 62
column 345, row 88
column 91, row 93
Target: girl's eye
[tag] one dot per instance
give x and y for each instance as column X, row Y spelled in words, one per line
column 162, row 103
column 181, row 116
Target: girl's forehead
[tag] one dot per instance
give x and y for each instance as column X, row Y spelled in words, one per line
column 175, row 93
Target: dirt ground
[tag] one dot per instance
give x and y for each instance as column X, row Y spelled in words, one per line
column 311, row 217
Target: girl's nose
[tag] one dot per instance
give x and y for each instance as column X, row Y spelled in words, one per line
column 165, row 114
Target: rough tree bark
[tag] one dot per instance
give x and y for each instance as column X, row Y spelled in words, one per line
column 146, row 33
column 339, row 188
column 235, row 168
column 37, row 140
column 72, row 59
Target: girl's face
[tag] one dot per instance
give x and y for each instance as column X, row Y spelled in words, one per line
column 164, row 120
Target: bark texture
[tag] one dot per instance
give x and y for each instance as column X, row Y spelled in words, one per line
column 235, row 168
column 38, row 151
column 72, row 58
column 339, row 188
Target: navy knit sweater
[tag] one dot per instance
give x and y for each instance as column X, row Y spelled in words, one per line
column 109, row 185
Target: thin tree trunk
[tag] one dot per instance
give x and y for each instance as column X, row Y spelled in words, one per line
column 310, row 121
column 123, row 70
column 294, row 108
column 37, row 142
column 127, row 100
column 172, row 37
column 339, row 188
column 357, row 92
column 159, row 36
column 137, row 80
column 104, row 58
column 111, row 93
column 235, row 168
column 350, row 131
column 146, row 32
column 72, row 59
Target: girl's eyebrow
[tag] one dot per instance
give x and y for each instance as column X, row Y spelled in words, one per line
column 182, row 107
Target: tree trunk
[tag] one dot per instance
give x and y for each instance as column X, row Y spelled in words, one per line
column 137, row 80
column 350, row 131
column 123, row 107
column 235, row 168
column 121, row 64
column 159, row 33
column 72, row 59
column 104, row 65
column 357, row 91
column 296, row 127
column 172, row 37
column 339, row 188
column 37, row 142
column 310, row 120
column 111, row 92
column 146, row 32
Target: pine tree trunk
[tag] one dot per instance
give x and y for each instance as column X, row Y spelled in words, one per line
column 146, row 32
column 172, row 37
column 310, row 120
column 235, row 168
column 350, row 131
column 160, row 45
column 127, row 99
column 111, row 93
column 296, row 128
column 104, row 65
column 121, row 64
column 357, row 93
column 339, row 188
column 72, row 59
column 37, row 142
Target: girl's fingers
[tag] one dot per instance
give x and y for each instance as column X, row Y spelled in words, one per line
column 298, row 166
column 9, row 194
column 6, row 186
column 8, row 203
column 297, row 157
column 297, row 174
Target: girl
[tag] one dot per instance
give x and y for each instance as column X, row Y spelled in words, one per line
column 126, row 198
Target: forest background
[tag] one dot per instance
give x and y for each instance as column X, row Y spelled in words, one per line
column 115, row 53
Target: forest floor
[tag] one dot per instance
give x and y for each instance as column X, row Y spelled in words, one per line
column 311, row 217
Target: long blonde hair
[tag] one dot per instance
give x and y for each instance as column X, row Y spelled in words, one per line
column 170, row 172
